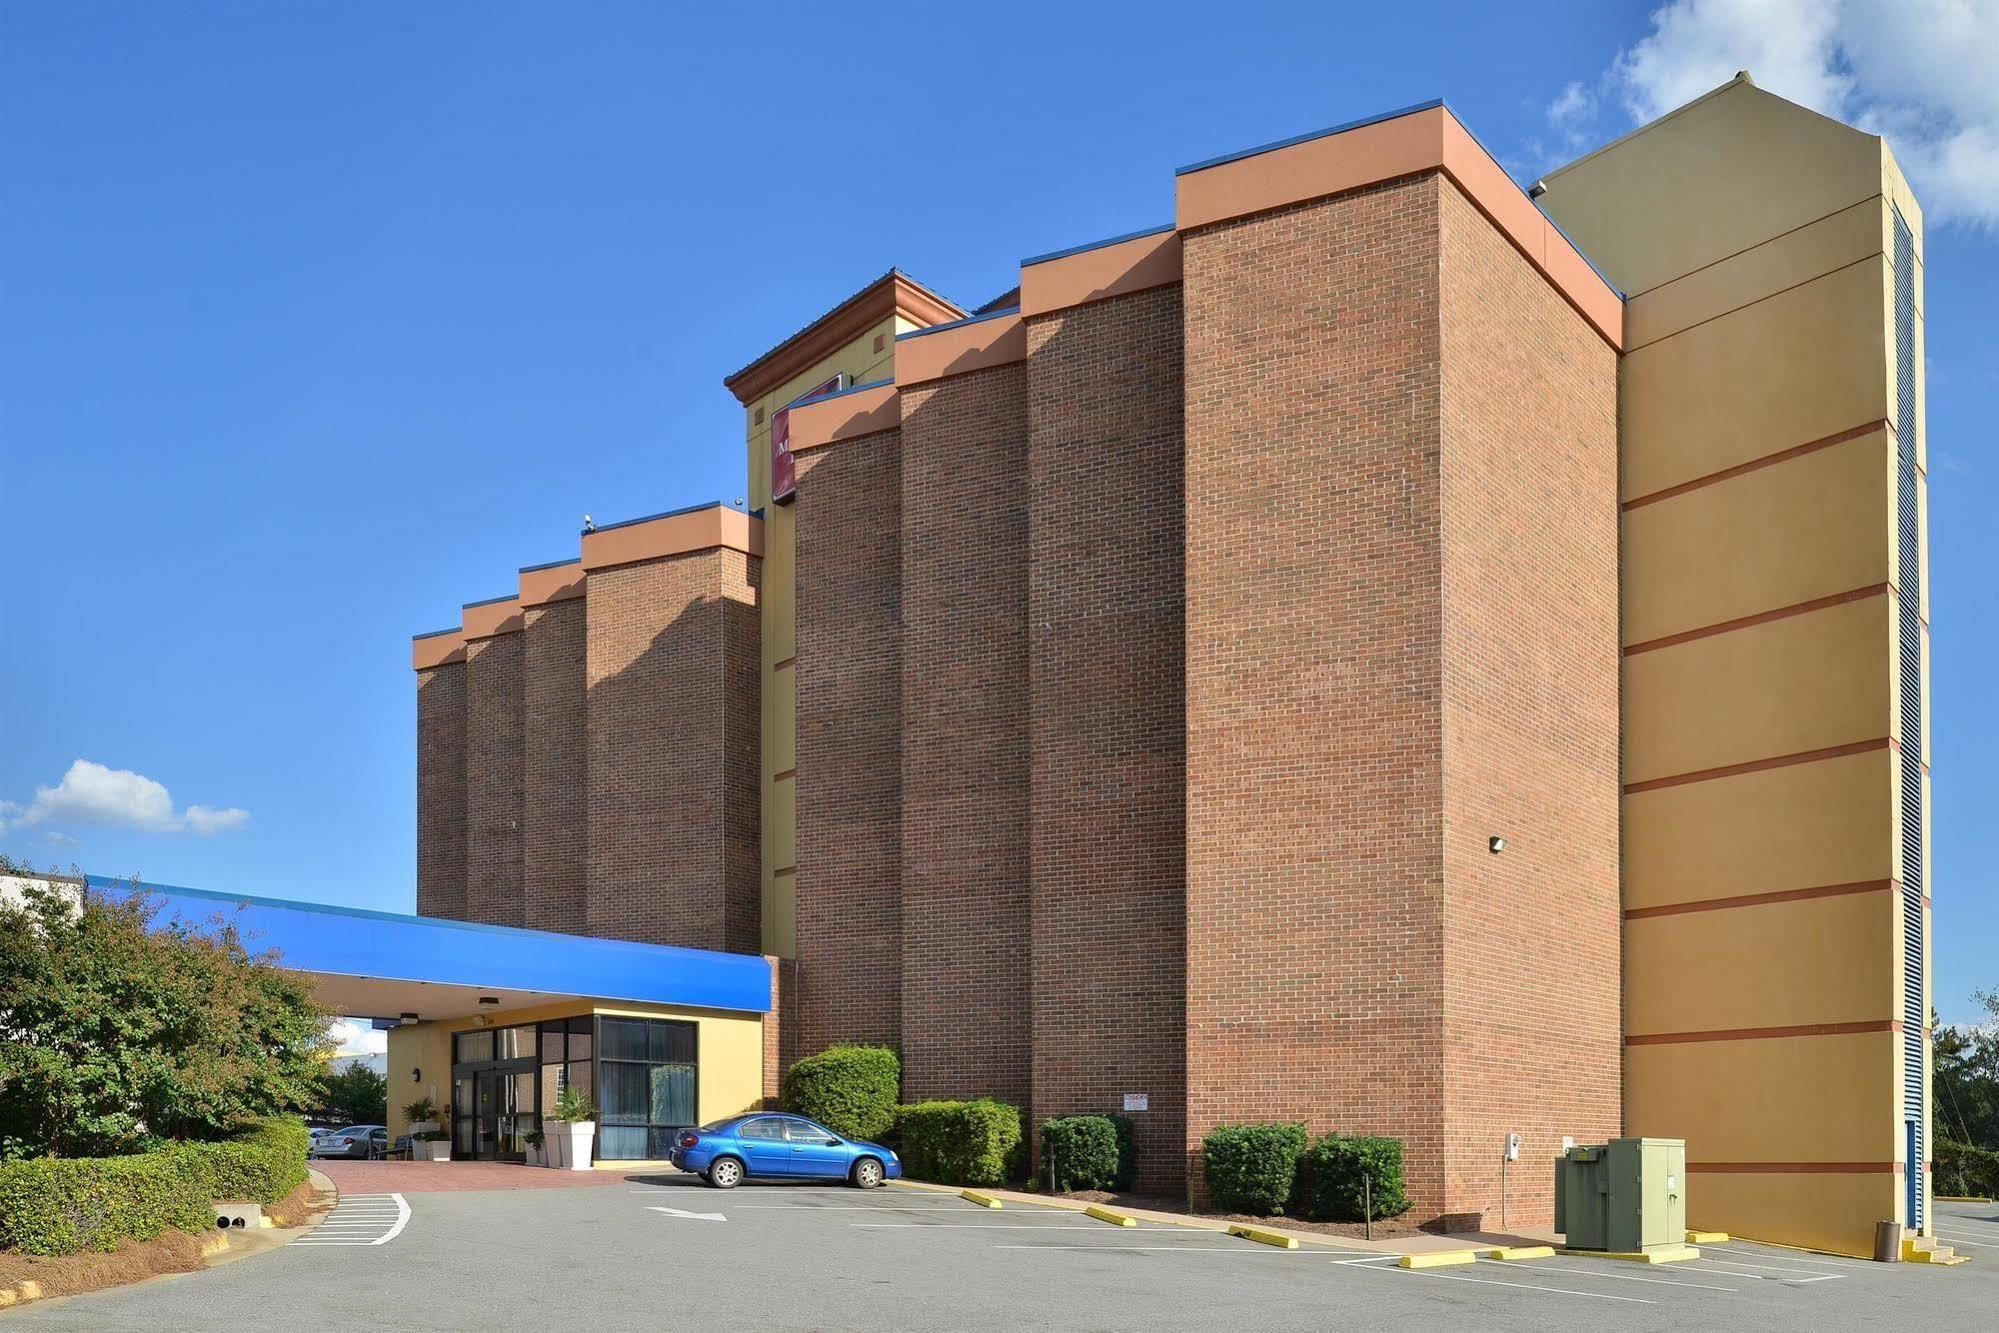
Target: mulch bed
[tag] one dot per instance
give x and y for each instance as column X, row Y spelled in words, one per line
column 1391, row 1228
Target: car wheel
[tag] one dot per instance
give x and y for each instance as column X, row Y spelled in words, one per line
column 725, row 1173
column 867, row 1173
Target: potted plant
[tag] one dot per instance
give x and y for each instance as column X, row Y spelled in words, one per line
column 422, row 1117
column 574, row 1126
column 433, row 1145
column 533, row 1154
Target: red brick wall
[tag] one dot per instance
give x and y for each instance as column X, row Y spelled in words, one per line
column 849, row 680
column 1106, row 718
column 1314, row 767
column 554, row 849
column 673, row 802
column 966, row 1011
column 440, row 791
column 495, row 758
column 1532, row 949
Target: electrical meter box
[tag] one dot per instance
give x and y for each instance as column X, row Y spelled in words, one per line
column 1626, row 1196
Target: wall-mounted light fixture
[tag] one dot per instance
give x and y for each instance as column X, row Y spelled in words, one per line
column 1495, row 844
column 409, row 1018
column 416, row 1074
column 489, row 999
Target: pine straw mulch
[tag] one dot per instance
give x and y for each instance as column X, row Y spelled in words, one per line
column 1387, row 1228
column 133, row 1260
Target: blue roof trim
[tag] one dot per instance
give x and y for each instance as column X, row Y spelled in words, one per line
column 1430, row 105
column 1096, row 245
column 552, row 564
column 467, row 606
column 837, row 393
column 959, row 323
column 665, row 513
column 358, row 942
column 434, row 633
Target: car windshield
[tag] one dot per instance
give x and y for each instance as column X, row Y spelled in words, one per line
column 716, row 1126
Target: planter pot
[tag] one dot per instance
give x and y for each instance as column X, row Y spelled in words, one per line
column 576, row 1137
column 532, row 1155
column 417, row 1127
column 437, row 1150
column 555, row 1145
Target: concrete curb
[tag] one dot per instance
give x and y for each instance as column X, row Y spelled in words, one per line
column 1437, row 1259
column 980, row 1198
column 1677, row 1254
column 1264, row 1236
column 1707, row 1238
column 1110, row 1215
column 1516, row 1253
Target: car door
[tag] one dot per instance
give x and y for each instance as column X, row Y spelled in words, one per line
column 815, row 1150
column 766, row 1152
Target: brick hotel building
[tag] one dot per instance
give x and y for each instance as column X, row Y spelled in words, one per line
column 1381, row 650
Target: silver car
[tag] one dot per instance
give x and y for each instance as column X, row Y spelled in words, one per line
column 363, row 1141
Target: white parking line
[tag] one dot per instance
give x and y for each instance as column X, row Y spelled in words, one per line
column 1518, row 1286
column 984, row 1226
column 1253, row 1251
column 1579, row 1270
column 354, row 1225
column 1956, row 1239
column 1789, row 1274
column 893, row 1207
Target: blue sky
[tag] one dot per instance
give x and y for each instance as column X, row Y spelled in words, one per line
column 318, row 320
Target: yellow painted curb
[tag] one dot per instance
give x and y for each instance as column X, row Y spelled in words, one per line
column 1510, row 1253
column 1106, row 1215
column 1262, row 1237
column 213, row 1244
column 1959, row 1198
column 1437, row 1259
column 983, row 1200
column 30, row 1291
column 1707, row 1238
column 1677, row 1254
column 7, row 1297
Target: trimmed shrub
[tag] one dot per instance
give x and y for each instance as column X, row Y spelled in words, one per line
column 1251, row 1168
column 61, row 1205
column 962, row 1143
column 852, row 1090
column 1966, row 1170
column 1331, row 1175
column 1127, row 1152
column 1082, row 1152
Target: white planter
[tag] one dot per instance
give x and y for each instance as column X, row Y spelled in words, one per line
column 434, row 1150
column 575, row 1137
column 417, row 1127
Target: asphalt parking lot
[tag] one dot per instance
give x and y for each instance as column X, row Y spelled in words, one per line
column 665, row 1250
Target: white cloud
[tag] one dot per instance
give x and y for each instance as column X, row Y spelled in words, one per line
column 57, row 838
column 354, row 1038
column 1923, row 73
column 90, row 793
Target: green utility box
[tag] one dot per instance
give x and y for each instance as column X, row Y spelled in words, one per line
column 1625, row 1197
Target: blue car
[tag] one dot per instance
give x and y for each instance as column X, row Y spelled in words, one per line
column 764, row 1145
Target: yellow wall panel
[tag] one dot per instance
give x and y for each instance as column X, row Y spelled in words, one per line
column 1815, row 526
column 1818, row 248
column 1835, row 1212
column 1784, row 964
column 1815, row 1099
column 1800, row 366
column 1799, row 827
column 1805, row 682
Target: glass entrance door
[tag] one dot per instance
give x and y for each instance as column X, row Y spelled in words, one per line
column 493, row 1093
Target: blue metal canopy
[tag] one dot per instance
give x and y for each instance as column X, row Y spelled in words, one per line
column 388, row 946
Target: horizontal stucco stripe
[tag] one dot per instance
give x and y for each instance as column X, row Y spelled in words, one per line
column 1765, row 1034
column 1754, row 464
column 1760, row 899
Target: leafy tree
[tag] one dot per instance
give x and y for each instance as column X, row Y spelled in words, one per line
column 1964, row 1077
column 119, row 1030
column 356, row 1095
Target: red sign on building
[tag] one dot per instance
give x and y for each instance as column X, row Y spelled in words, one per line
column 783, row 468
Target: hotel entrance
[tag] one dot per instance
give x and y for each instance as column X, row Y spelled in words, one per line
column 505, row 1080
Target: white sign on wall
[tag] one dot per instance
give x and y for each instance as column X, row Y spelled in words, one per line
column 1137, row 1101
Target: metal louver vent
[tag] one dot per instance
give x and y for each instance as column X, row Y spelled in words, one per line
column 1909, row 654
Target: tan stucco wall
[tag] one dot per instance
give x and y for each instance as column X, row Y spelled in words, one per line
column 1763, row 939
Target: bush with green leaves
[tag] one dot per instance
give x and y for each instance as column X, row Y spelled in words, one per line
column 356, row 1095
column 962, row 1143
column 123, row 1026
column 62, row 1205
column 1081, row 1152
column 1339, row 1175
column 1252, row 1168
column 852, row 1090
column 1966, row 1171
column 573, row 1104
column 1127, row 1152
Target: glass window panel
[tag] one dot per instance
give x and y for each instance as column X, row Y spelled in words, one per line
column 551, row 1045
column 673, row 1094
column 624, row 1100
column 760, row 1129
column 474, row 1047
column 671, row 1043
column 621, row 1143
column 624, row 1039
column 659, row 1142
column 578, row 1076
column 515, row 1043
column 798, row 1131
column 579, row 1043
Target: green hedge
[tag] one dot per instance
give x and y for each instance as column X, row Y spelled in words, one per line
column 1331, row 1175
column 1081, row 1152
column 61, row 1205
column 852, row 1090
column 1966, row 1171
column 1252, row 1168
column 962, row 1143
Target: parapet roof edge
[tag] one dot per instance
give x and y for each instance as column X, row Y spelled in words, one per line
column 1272, row 147
column 647, row 518
column 803, row 399
column 1096, row 245
column 439, row 633
column 551, row 564
column 959, row 323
